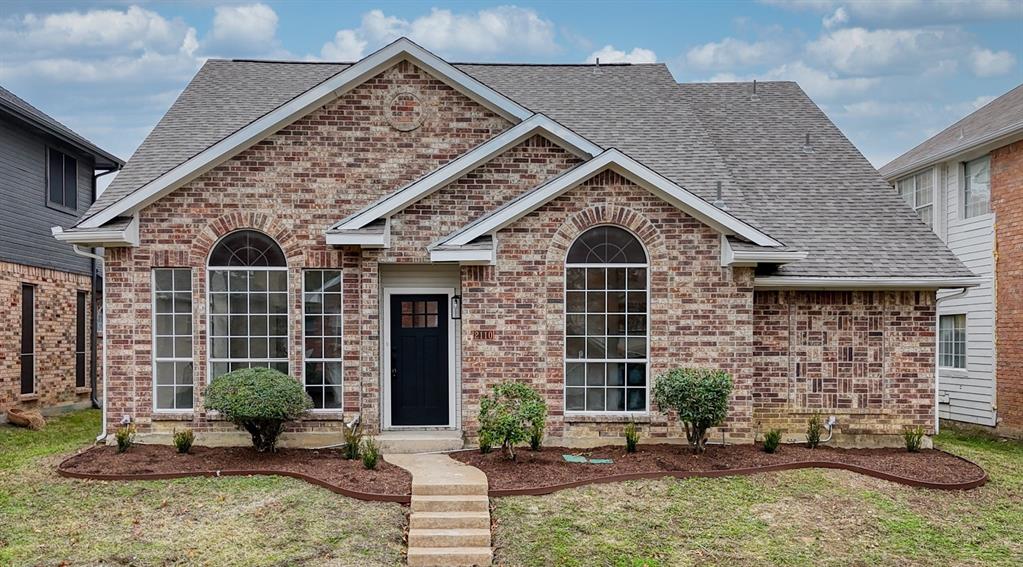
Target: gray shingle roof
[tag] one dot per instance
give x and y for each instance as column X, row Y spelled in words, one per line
column 831, row 203
column 18, row 105
column 1002, row 115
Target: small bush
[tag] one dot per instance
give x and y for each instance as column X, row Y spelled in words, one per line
column 914, row 437
column 771, row 440
column 183, row 440
column 125, row 436
column 814, row 427
column 631, row 437
column 353, row 440
column 486, row 441
column 536, row 438
column 259, row 400
column 512, row 414
column 699, row 396
column 370, row 453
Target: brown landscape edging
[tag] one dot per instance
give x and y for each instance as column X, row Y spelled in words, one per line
column 541, row 490
column 369, row 496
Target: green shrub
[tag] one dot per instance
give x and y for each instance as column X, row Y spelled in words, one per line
column 353, row 440
column 536, row 436
column 700, row 398
column 259, row 400
column 914, row 437
column 370, row 453
column 183, row 440
column 631, row 437
column 814, row 427
column 771, row 440
column 486, row 441
column 125, row 436
column 512, row 414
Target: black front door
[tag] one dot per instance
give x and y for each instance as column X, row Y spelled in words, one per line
column 419, row 360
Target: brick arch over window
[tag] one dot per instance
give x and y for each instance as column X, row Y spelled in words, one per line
column 272, row 227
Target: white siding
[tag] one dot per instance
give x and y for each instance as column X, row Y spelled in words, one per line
column 968, row 395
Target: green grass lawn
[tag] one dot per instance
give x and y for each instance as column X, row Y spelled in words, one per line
column 259, row 520
column 806, row 517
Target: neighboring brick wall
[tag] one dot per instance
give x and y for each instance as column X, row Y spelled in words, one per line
column 55, row 319
column 865, row 357
column 700, row 314
column 292, row 185
column 1007, row 204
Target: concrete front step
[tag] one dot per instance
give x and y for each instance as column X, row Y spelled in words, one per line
column 437, row 520
column 459, row 503
column 449, row 556
column 450, row 537
column 416, row 441
column 449, row 488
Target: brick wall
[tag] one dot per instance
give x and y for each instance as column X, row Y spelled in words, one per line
column 1007, row 204
column 292, row 185
column 55, row 319
column 865, row 357
column 700, row 314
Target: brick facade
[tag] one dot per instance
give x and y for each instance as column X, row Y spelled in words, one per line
column 1007, row 204
column 55, row 325
column 329, row 164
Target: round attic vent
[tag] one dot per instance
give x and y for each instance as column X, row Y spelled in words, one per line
column 405, row 112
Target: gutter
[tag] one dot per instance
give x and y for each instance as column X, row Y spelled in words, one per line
column 97, row 258
column 797, row 282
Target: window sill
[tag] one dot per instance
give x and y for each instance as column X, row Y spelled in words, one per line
column 839, row 411
column 83, row 390
column 173, row 416
column 28, row 397
column 640, row 417
column 329, row 415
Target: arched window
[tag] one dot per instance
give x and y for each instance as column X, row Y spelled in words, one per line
column 606, row 322
column 248, row 310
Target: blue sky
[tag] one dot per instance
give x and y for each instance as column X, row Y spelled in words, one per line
column 889, row 74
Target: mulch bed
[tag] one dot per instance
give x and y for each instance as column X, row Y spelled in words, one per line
column 325, row 467
column 545, row 471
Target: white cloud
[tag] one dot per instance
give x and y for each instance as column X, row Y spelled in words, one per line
column 730, row 53
column 987, row 63
column 859, row 51
column 488, row 32
column 608, row 54
column 908, row 13
column 817, row 83
column 836, row 19
column 245, row 28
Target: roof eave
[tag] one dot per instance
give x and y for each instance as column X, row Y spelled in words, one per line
column 100, row 237
column 996, row 139
column 865, row 283
column 104, row 159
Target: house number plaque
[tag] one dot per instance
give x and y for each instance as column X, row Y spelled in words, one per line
column 484, row 335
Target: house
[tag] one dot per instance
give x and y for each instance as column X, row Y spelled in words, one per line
column 47, row 177
column 965, row 183
column 402, row 232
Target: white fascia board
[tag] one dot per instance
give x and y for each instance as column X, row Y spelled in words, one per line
column 536, row 124
column 129, row 236
column 466, row 256
column 795, row 282
column 746, row 258
column 300, row 106
column 365, row 239
column 629, row 168
column 996, row 139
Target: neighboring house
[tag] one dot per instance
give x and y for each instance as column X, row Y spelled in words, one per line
column 402, row 233
column 966, row 183
column 48, row 339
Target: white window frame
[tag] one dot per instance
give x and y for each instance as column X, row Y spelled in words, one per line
column 941, row 343
column 910, row 196
column 35, row 339
column 564, row 335
column 963, row 205
column 210, row 360
column 341, row 359
column 156, row 359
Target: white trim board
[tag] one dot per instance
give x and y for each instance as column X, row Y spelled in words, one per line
column 409, row 194
column 332, row 88
column 100, row 237
column 385, row 359
column 629, row 168
column 797, row 282
column 733, row 257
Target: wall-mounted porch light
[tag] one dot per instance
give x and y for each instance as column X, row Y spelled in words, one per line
column 456, row 306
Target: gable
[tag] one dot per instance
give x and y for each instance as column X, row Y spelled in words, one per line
column 334, row 87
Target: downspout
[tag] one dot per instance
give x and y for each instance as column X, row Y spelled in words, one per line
column 95, row 282
column 937, row 354
column 97, row 258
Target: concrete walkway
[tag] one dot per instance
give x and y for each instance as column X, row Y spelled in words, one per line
column 450, row 512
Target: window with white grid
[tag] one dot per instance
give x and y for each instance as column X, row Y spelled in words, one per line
column 322, row 337
column 606, row 322
column 918, row 192
column 248, row 311
column 952, row 341
column 173, row 379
